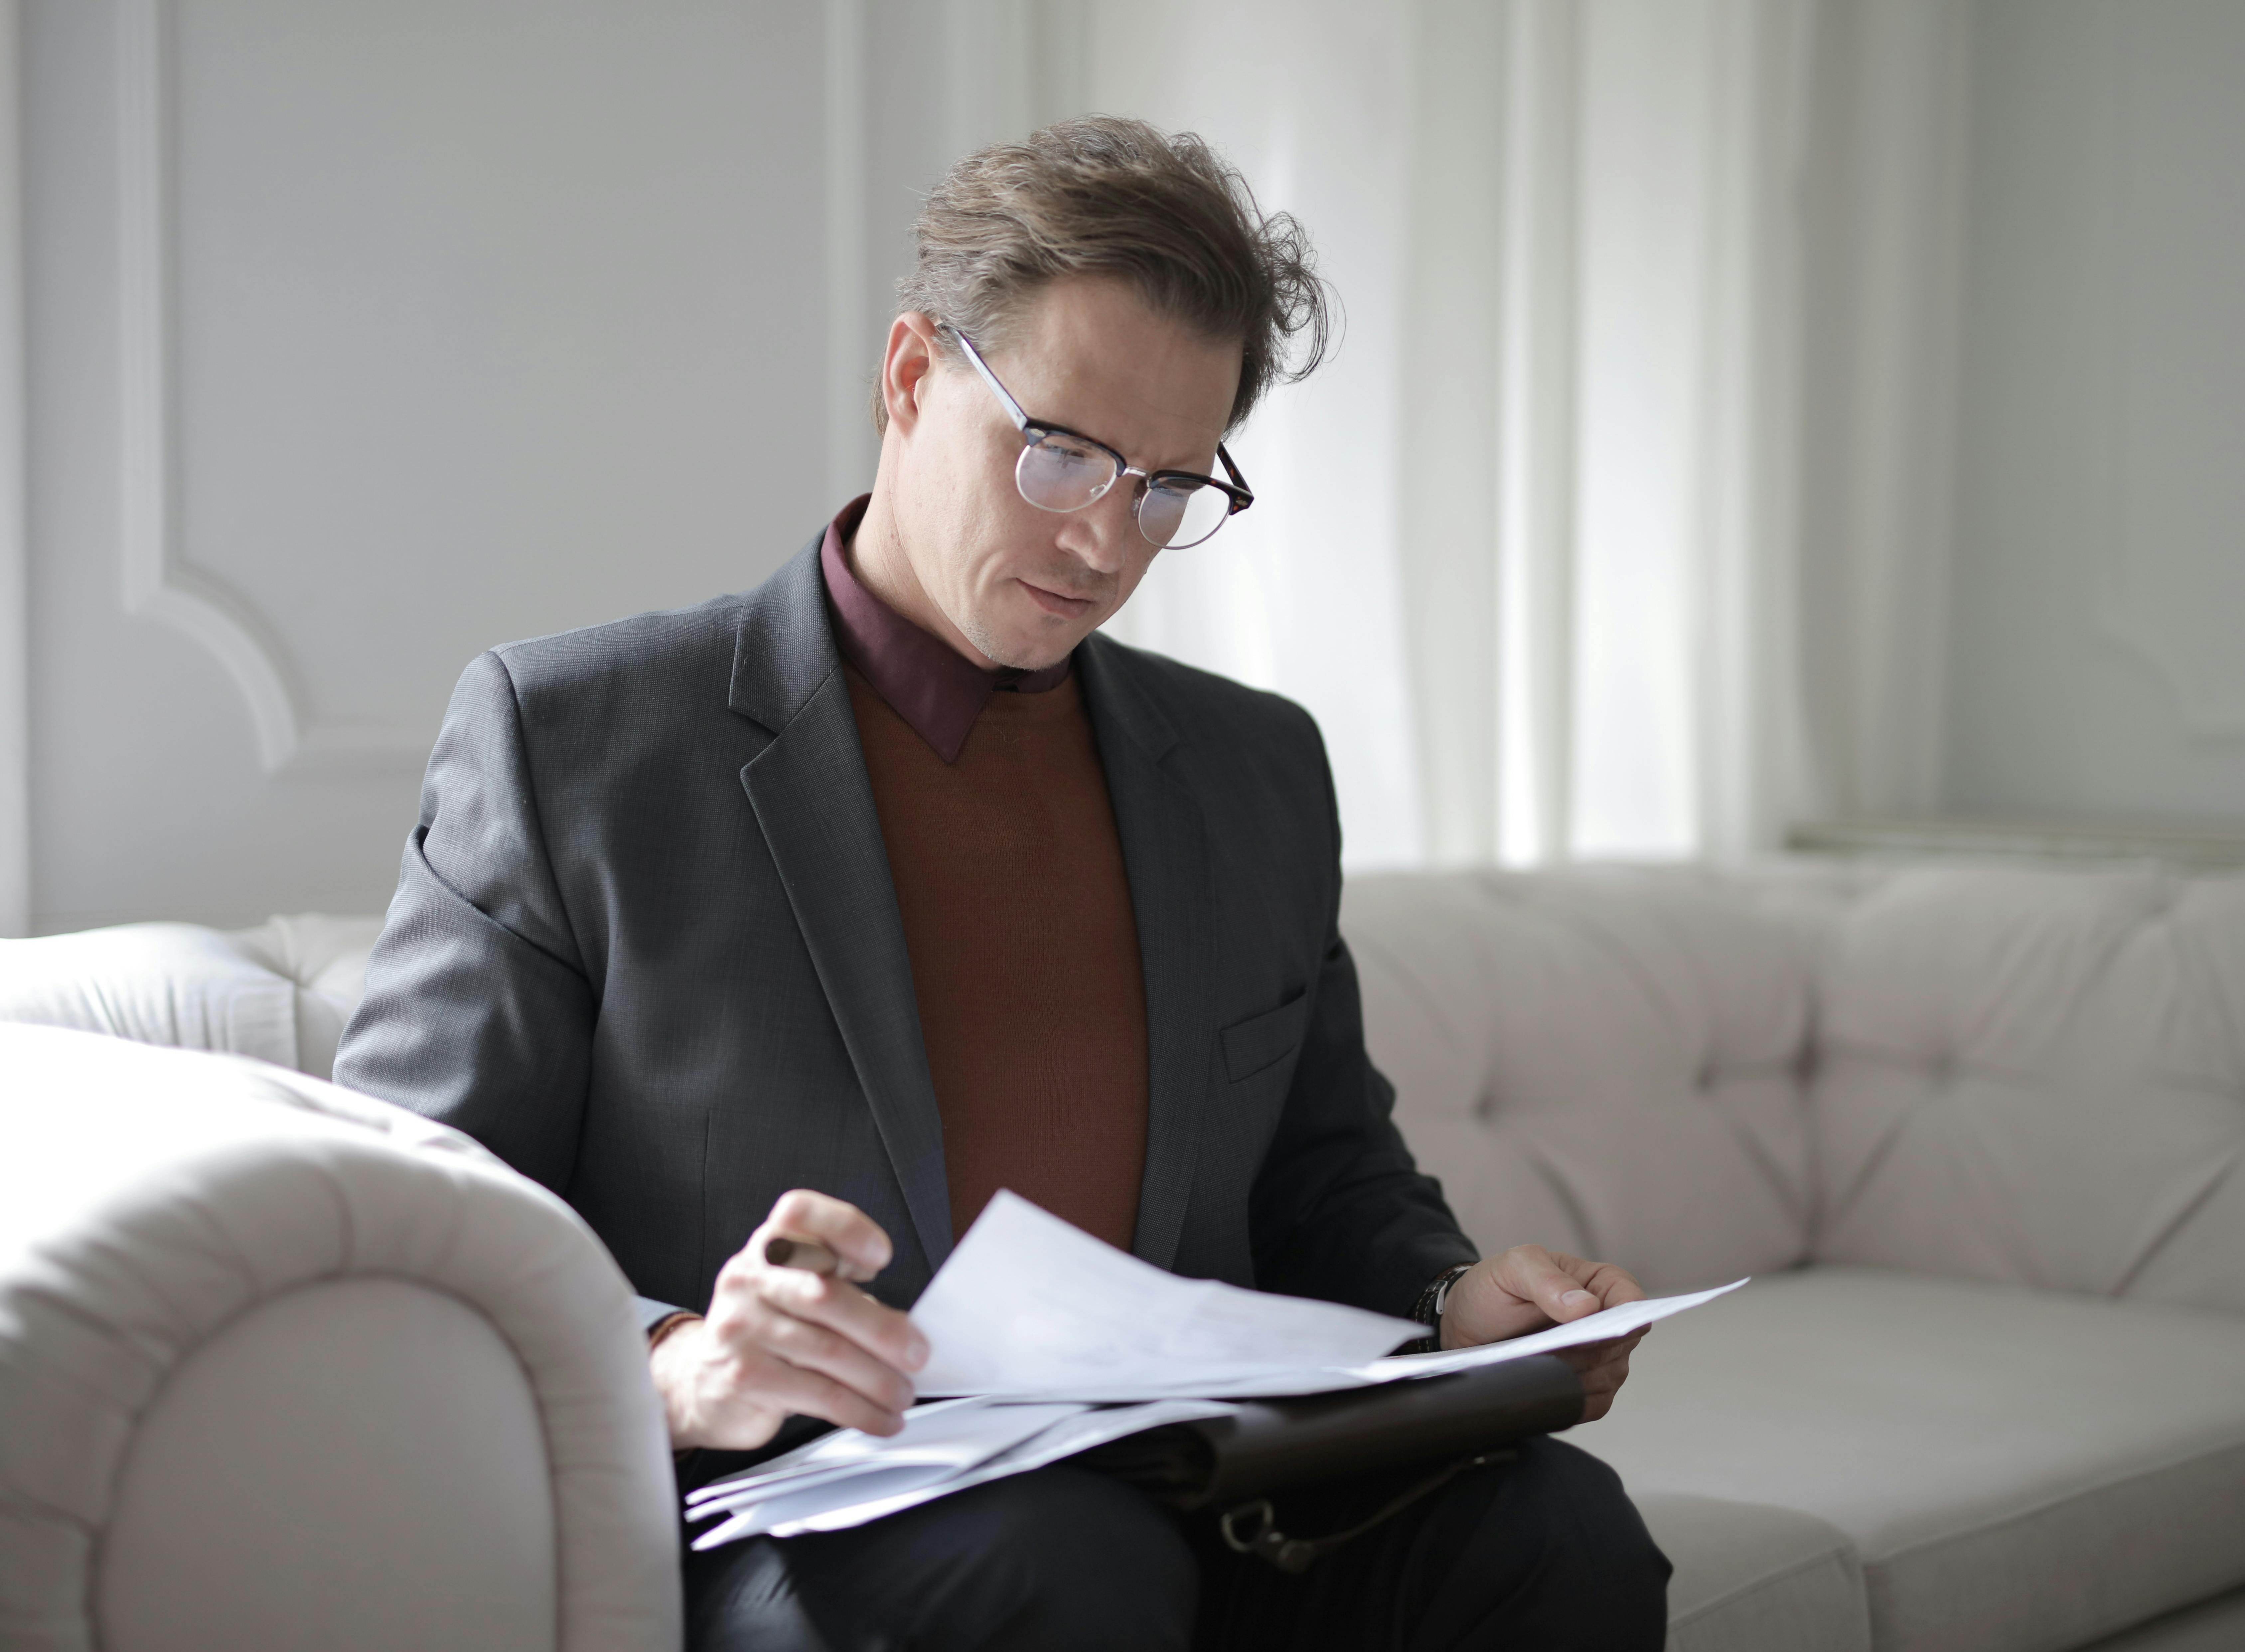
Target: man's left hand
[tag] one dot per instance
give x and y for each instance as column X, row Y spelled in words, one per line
column 1529, row 1287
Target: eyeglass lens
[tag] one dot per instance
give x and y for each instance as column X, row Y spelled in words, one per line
column 1057, row 472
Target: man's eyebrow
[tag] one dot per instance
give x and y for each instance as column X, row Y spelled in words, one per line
column 1203, row 466
column 1194, row 467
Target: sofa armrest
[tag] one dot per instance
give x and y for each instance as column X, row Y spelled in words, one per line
column 284, row 1366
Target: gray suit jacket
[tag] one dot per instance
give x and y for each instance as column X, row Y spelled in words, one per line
column 646, row 949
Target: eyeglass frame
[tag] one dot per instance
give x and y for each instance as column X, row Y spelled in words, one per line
column 1240, row 495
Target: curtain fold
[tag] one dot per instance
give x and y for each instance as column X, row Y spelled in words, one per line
column 1566, row 546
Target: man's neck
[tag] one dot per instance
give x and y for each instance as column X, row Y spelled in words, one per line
column 876, row 553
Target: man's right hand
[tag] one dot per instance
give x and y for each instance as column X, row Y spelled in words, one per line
column 779, row 1342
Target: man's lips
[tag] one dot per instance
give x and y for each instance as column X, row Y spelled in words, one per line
column 1054, row 602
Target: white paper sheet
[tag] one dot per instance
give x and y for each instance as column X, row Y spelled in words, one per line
column 1027, row 1304
column 1602, row 1326
column 951, row 1434
column 866, row 1486
column 1278, row 1384
column 873, row 1491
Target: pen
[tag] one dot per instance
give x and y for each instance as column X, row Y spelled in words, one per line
column 805, row 1254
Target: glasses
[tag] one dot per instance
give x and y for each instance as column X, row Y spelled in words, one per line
column 1061, row 471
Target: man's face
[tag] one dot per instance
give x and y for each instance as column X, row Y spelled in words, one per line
column 1021, row 584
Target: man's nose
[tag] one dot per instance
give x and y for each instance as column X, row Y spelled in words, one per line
column 1099, row 535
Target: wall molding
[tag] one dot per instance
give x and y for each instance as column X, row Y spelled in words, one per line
column 851, row 352
column 2202, row 718
column 15, row 549
column 158, row 583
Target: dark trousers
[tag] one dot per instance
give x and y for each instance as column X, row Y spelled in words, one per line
column 1542, row 1553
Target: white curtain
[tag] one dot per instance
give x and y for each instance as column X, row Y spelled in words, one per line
column 1304, row 594
column 1543, row 545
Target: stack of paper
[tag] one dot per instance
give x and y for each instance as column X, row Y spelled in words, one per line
column 1028, row 1305
column 1058, row 1343
column 846, row 1479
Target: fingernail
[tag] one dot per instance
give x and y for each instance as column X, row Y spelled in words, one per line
column 1574, row 1298
column 918, row 1352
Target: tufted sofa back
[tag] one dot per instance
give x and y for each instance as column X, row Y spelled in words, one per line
column 2035, row 1077
column 2030, row 1076
column 281, row 992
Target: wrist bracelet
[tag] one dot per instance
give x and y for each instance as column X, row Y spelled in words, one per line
column 1427, row 1311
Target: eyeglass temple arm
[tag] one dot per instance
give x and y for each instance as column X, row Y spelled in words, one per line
column 1013, row 407
column 1246, row 497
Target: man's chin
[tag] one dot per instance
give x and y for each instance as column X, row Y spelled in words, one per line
column 1037, row 647
column 1031, row 659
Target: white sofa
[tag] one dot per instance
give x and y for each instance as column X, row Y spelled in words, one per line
column 1980, row 1135
column 1977, row 1132
column 282, row 1367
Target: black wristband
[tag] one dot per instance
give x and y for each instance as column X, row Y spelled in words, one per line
column 1427, row 1311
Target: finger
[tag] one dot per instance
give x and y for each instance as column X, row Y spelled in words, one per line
column 1589, row 1356
column 1599, row 1387
column 806, row 1254
column 813, row 1347
column 1536, row 1274
column 1602, row 1368
column 879, row 1329
column 853, row 1236
column 1612, row 1286
column 770, row 1382
column 1608, row 1371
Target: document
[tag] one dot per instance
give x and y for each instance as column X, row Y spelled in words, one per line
column 953, row 1434
column 1028, row 1305
column 1054, row 1342
column 946, row 1447
column 1603, row 1326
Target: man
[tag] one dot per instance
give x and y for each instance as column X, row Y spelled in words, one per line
column 826, row 912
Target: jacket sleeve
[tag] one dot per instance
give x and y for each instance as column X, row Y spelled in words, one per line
column 478, row 1011
column 1340, row 1210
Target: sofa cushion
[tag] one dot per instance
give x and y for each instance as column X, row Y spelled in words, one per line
column 2017, row 1469
column 2039, row 1077
column 1610, row 1062
column 2212, row 1626
column 1751, row 1578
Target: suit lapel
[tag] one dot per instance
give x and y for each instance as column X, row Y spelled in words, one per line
column 1165, row 856
column 810, row 796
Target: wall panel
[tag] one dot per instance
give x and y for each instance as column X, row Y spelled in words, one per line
column 2096, row 669
column 365, row 337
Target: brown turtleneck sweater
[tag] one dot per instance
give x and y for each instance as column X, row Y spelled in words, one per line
column 1016, row 910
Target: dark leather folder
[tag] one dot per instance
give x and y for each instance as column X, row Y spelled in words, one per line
column 1274, row 1445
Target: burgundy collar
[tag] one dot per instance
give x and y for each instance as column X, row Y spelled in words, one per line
column 925, row 682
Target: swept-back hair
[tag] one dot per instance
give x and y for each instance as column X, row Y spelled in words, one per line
column 1106, row 196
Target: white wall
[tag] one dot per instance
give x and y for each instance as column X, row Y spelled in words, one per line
column 363, row 337
column 2097, row 650
column 14, row 569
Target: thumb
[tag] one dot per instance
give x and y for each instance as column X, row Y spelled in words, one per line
column 1557, row 1292
column 1573, row 1303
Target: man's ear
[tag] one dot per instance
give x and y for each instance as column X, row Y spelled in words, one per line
column 905, row 369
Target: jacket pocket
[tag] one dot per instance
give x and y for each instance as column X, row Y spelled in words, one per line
column 1265, row 1039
